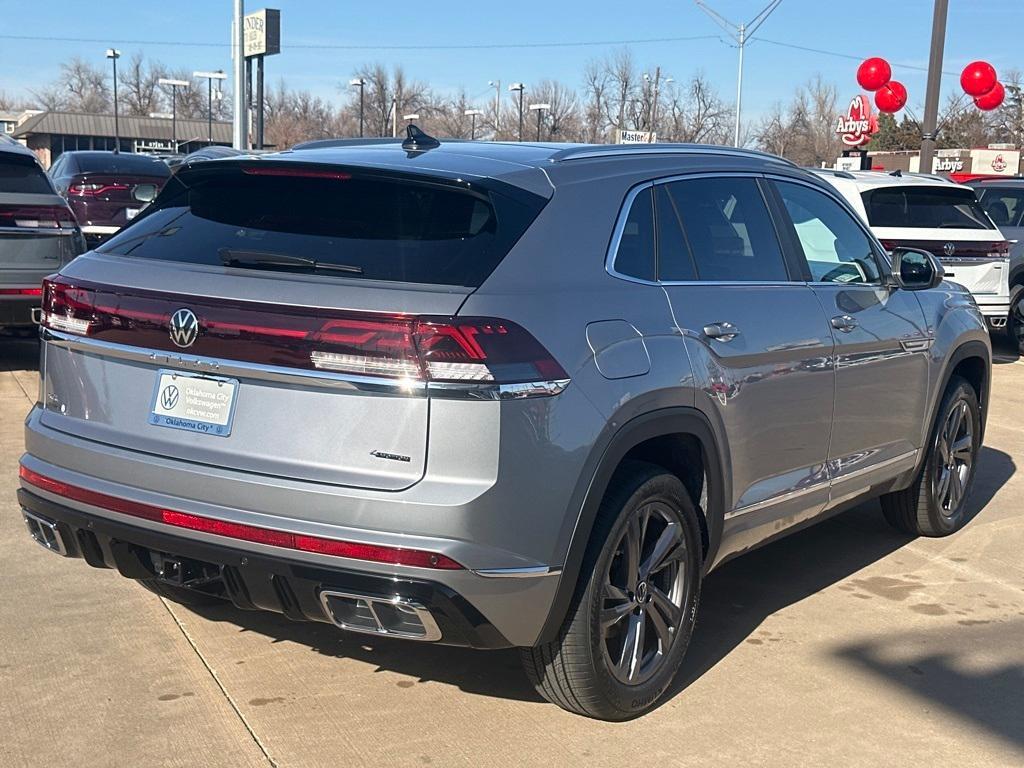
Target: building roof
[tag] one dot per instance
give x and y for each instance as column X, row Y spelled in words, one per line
column 129, row 127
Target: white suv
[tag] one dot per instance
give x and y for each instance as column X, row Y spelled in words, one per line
column 936, row 215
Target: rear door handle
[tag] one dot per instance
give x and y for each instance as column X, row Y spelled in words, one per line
column 844, row 323
column 721, row 331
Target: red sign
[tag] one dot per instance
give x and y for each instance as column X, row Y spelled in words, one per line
column 857, row 126
column 998, row 164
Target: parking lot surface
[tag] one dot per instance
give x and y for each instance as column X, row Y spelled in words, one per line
column 846, row 644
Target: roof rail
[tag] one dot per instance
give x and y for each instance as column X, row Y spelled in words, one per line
column 613, row 150
column 837, row 172
column 324, row 143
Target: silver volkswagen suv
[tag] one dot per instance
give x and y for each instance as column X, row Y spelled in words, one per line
column 493, row 394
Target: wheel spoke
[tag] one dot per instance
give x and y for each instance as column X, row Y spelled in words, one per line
column 953, row 424
column 633, row 647
column 662, row 605
column 956, row 489
column 612, row 616
column 963, row 448
column 612, row 592
column 667, row 543
column 661, row 628
column 942, row 488
column 631, row 545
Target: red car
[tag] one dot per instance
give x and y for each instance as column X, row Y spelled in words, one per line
column 105, row 189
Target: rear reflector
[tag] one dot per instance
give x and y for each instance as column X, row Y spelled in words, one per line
column 401, row 347
column 334, row 547
column 21, row 291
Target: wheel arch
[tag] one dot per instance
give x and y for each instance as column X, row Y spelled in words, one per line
column 632, row 440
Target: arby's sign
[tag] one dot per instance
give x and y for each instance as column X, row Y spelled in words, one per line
column 859, row 124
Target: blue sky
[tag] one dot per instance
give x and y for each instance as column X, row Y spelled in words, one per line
column 897, row 29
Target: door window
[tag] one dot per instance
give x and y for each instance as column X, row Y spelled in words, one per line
column 835, row 246
column 727, row 229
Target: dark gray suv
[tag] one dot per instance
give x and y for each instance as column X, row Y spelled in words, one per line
column 494, row 394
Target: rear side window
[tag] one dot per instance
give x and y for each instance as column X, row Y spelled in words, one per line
column 22, row 174
column 1004, row 206
column 332, row 222
column 925, row 207
column 728, row 231
column 635, row 255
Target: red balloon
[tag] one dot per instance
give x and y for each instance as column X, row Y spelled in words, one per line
column 992, row 99
column 873, row 73
column 978, row 78
column 891, row 97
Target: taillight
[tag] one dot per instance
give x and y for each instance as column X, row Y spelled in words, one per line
column 36, row 217
column 21, row 291
column 890, row 245
column 999, row 250
column 67, row 308
column 93, row 189
column 412, row 349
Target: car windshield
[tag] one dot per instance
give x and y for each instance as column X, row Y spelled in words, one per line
column 122, row 163
column 925, row 207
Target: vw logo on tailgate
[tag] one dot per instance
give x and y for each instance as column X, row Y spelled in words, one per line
column 949, row 249
column 184, row 327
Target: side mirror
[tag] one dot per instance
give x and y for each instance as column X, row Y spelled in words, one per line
column 145, row 193
column 916, row 270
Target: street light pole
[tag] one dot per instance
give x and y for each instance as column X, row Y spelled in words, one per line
column 472, row 122
column 741, row 33
column 519, row 87
column 175, row 85
column 496, row 85
column 240, row 134
column 210, row 77
column 113, row 54
column 539, row 109
column 361, row 84
column 931, row 97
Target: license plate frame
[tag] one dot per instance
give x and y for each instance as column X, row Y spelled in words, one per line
column 194, row 391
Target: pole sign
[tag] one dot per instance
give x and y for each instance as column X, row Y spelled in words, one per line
column 635, row 137
column 856, row 127
column 262, row 33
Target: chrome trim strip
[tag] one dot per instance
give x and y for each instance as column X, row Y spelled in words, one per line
column 832, row 480
column 529, row 572
column 872, row 467
column 36, row 231
column 97, row 229
column 328, row 379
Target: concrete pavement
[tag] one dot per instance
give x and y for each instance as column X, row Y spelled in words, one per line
column 845, row 644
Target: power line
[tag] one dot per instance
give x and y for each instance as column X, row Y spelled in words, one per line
column 849, row 56
column 363, row 47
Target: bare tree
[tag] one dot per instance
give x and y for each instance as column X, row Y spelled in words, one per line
column 385, row 91
column 561, row 121
column 140, row 93
column 447, row 117
column 809, row 123
column 596, row 89
column 696, row 113
column 296, row 116
column 86, row 86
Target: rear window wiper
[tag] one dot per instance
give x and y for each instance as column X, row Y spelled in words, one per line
column 231, row 257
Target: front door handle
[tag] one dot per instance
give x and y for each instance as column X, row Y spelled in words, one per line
column 844, row 323
column 721, row 331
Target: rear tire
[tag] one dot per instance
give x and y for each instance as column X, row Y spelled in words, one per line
column 1015, row 322
column 635, row 606
column 181, row 595
column 935, row 503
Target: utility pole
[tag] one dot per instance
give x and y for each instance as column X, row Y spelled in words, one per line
column 240, row 133
column 175, row 85
column 931, row 97
column 539, row 109
column 741, row 33
column 359, row 83
column 654, row 105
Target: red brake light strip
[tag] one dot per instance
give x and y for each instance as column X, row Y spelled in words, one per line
column 335, row 547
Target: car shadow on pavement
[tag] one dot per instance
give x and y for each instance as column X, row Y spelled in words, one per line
column 737, row 598
column 1004, row 351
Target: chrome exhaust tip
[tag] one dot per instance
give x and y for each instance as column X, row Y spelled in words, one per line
column 46, row 533
column 997, row 322
column 394, row 617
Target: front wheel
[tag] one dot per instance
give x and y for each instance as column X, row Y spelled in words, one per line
column 935, row 503
column 634, row 610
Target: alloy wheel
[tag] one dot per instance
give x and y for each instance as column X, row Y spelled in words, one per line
column 643, row 594
column 954, row 458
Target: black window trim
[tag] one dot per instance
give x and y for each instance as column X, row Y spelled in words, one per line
column 795, row 275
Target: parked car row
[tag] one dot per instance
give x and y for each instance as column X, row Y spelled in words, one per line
column 499, row 395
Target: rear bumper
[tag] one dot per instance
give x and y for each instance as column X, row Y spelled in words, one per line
column 995, row 310
column 255, row 581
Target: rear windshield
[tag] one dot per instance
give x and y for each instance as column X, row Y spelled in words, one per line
column 372, row 227
column 925, row 208
column 22, row 174
column 121, row 163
